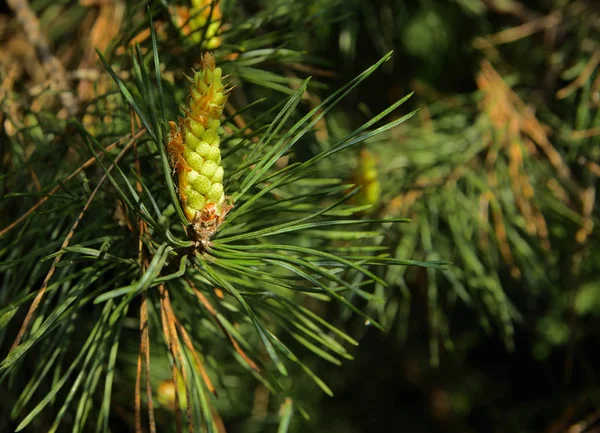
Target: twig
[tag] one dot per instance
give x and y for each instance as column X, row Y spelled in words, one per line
column 515, row 33
column 213, row 313
column 176, row 348
column 138, row 398
column 163, row 316
column 188, row 343
column 53, row 67
column 144, row 331
column 514, row 8
column 145, row 348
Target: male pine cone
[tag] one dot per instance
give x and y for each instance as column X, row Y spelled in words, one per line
column 194, row 146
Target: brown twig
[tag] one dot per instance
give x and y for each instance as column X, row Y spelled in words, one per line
column 144, row 326
column 515, row 33
column 204, row 300
column 585, row 133
column 144, row 353
column 145, row 343
column 169, row 328
column 54, row 69
column 188, row 343
column 513, row 7
column 175, row 371
column 138, row 397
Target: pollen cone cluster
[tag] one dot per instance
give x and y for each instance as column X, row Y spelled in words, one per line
column 194, row 146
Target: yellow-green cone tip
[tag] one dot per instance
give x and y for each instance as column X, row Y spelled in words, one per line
column 194, row 145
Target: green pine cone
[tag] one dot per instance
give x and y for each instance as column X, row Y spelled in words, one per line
column 195, row 145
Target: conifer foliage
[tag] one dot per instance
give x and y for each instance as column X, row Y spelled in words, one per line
column 282, row 215
column 152, row 301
